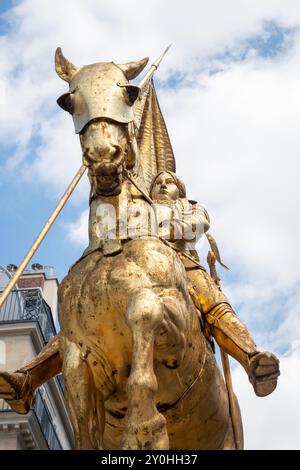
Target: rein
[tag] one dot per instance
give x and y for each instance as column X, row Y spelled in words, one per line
column 182, row 396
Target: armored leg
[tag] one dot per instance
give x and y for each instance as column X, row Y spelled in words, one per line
column 221, row 322
column 18, row 388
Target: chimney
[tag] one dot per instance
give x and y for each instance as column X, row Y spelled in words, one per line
column 11, row 268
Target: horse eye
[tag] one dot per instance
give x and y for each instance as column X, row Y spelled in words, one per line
column 66, row 102
column 133, row 93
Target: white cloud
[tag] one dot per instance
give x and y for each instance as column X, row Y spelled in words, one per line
column 58, row 157
column 238, row 130
column 78, row 230
column 272, row 422
column 98, row 30
column 2, row 93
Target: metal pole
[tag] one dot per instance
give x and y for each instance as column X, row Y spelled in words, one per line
column 211, row 261
column 231, row 400
column 42, row 235
column 153, row 69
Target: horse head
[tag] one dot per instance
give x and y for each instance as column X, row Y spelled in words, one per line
column 100, row 100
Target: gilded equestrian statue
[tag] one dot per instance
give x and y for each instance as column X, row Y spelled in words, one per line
column 136, row 318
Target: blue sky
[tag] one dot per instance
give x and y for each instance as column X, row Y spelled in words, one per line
column 272, row 42
column 24, row 209
column 25, row 206
column 229, row 91
column 5, row 5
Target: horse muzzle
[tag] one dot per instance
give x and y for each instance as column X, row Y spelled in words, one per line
column 106, row 179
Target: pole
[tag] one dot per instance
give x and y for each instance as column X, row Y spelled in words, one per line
column 153, row 69
column 211, row 260
column 42, row 235
column 231, row 399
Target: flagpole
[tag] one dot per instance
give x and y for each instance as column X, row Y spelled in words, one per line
column 153, row 69
column 42, row 235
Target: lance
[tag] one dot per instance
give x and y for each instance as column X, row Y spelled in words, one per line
column 153, row 69
column 211, row 261
column 42, row 234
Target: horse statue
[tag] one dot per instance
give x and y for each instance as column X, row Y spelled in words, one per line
column 139, row 372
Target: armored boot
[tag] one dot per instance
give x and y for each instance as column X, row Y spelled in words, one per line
column 221, row 323
column 18, row 388
column 234, row 338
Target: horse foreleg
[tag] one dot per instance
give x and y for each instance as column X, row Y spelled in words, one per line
column 145, row 427
column 84, row 403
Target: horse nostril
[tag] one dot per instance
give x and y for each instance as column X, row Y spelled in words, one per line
column 117, row 155
column 106, row 169
column 87, row 161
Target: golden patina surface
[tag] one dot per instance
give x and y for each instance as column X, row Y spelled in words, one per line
column 138, row 311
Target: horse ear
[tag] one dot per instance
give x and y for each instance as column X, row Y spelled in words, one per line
column 64, row 69
column 133, row 69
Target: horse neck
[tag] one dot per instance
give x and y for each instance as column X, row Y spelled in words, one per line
column 112, row 209
column 129, row 194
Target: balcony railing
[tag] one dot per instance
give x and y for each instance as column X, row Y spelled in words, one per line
column 41, row 410
column 44, row 418
column 28, row 305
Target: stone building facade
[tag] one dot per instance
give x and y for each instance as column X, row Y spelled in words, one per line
column 27, row 322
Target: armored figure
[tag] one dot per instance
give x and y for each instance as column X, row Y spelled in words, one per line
column 220, row 321
column 176, row 217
